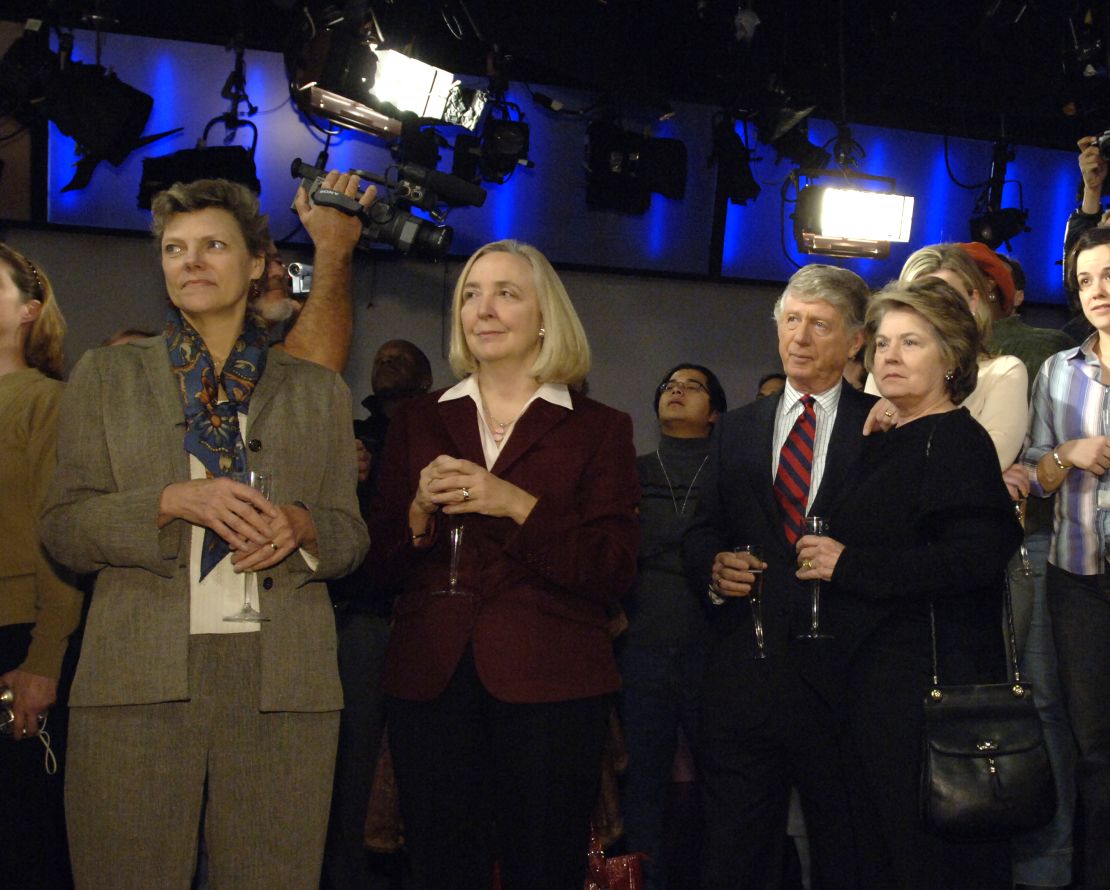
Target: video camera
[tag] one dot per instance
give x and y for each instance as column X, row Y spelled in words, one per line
column 388, row 220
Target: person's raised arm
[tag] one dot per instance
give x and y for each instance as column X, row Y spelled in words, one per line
column 1093, row 167
column 322, row 331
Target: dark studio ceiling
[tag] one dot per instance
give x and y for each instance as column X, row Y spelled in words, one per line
column 1034, row 71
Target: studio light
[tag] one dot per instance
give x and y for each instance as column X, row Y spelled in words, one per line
column 345, row 75
column 993, row 224
column 997, row 226
column 846, row 222
column 88, row 103
column 232, row 162
column 623, row 168
column 504, row 147
column 734, row 162
column 786, row 130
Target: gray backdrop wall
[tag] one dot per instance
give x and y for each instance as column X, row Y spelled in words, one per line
column 638, row 326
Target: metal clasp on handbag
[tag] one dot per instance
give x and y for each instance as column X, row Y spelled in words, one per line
column 989, row 746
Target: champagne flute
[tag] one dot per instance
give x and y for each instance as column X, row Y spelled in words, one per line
column 1026, row 564
column 263, row 483
column 815, row 525
column 756, row 551
column 455, row 527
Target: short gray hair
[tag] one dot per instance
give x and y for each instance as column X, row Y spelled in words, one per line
column 842, row 289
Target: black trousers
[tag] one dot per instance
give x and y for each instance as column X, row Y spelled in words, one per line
column 746, row 769
column 481, row 779
column 32, row 818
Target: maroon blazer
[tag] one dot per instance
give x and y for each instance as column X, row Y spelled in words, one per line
column 536, row 611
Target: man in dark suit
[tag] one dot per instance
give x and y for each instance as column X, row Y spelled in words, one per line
column 775, row 722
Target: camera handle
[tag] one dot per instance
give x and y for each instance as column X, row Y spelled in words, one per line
column 326, row 197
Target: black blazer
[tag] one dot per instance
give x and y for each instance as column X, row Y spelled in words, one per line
column 737, row 506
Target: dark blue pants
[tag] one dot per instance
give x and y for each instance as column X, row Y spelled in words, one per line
column 362, row 638
column 659, row 694
column 1080, row 610
column 1043, row 857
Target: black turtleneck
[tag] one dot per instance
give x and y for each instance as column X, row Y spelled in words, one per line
column 662, row 610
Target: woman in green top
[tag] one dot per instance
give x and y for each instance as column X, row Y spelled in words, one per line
column 38, row 609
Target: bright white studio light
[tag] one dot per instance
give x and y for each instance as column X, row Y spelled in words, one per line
column 411, row 85
column 851, row 222
column 870, row 216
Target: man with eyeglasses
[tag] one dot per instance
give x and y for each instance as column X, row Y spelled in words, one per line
column 769, row 723
column 661, row 656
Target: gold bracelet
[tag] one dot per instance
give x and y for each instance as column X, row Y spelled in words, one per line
column 1059, row 463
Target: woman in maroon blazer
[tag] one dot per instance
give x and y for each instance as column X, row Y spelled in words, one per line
column 500, row 680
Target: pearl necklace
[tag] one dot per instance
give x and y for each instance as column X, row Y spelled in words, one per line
column 689, row 488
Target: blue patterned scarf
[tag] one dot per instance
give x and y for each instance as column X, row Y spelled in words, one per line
column 212, row 427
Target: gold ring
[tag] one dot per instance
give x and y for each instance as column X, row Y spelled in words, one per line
column 465, row 494
column 273, row 546
column 807, row 563
column 889, row 413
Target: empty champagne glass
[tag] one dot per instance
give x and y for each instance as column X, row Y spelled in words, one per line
column 455, row 525
column 756, row 551
column 815, row 525
column 263, row 483
column 1026, row 564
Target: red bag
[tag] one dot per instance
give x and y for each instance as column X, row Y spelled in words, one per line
column 615, row 873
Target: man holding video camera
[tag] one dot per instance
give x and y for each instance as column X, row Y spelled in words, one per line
column 319, row 328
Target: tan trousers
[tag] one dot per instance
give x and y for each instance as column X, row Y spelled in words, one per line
column 136, row 782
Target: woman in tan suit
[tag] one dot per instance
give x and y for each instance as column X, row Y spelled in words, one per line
column 175, row 709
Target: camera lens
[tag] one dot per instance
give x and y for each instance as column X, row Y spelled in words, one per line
column 433, row 241
column 1104, row 145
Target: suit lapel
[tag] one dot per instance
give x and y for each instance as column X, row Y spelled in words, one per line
column 460, row 420
column 171, row 412
column 271, row 383
column 540, row 417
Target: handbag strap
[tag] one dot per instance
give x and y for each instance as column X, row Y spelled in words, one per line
column 1010, row 636
column 1010, row 639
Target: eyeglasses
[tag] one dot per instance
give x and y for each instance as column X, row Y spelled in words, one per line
column 680, row 387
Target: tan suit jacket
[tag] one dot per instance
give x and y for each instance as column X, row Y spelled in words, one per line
column 120, row 442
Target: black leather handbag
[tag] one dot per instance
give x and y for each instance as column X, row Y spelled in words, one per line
column 985, row 772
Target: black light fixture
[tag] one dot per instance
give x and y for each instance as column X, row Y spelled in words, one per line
column 88, row 103
column 624, row 168
column 993, row 224
column 231, row 162
column 504, row 143
column 997, row 226
column 733, row 159
column 786, row 130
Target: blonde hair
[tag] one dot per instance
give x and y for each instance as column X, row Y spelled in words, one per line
column 42, row 348
column 953, row 258
column 947, row 313
column 564, row 351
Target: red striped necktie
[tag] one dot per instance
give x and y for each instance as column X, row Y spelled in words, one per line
column 795, row 468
